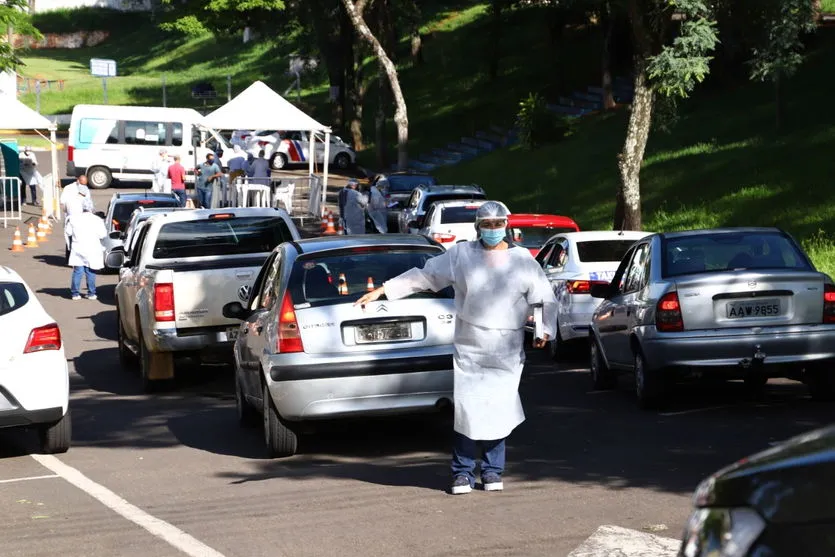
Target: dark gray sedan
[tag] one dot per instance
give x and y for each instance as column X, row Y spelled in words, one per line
column 735, row 303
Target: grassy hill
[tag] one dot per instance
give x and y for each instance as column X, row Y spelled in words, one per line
column 722, row 165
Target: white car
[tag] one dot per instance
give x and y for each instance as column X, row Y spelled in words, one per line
column 573, row 262
column 293, row 147
column 451, row 222
column 34, row 378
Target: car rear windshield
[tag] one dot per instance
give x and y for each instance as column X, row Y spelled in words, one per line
column 316, row 279
column 233, row 236
column 437, row 197
column 13, row 295
column 536, row 236
column 401, row 184
column 123, row 211
column 458, row 215
column 598, row 251
column 729, row 252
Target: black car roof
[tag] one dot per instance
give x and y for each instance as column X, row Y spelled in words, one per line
column 328, row 243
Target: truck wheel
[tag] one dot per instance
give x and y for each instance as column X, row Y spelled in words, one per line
column 821, row 385
column 602, row 378
column 278, row 161
column 649, row 386
column 281, row 440
column 342, row 161
column 55, row 438
column 99, row 178
column 126, row 358
column 162, row 363
column 247, row 416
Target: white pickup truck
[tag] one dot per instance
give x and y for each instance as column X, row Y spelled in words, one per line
column 185, row 266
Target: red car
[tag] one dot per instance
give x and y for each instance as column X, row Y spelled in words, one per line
column 532, row 231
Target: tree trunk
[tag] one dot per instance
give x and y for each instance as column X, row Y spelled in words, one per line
column 380, row 121
column 401, row 117
column 357, row 95
column 607, row 28
column 632, row 156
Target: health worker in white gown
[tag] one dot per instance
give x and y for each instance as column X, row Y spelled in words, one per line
column 495, row 284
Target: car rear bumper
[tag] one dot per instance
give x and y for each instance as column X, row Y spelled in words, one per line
column 794, row 347
column 191, row 340
column 12, row 414
column 310, row 388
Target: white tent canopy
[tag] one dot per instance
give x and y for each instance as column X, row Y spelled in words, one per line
column 14, row 115
column 260, row 108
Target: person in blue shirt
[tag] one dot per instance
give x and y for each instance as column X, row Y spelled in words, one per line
column 208, row 173
column 259, row 170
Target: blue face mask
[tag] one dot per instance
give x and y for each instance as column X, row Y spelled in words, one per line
column 492, row 236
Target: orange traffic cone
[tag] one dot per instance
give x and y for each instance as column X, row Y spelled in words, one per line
column 45, row 221
column 340, row 229
column 369, row 286
column 330, row 230
column 17, row 243
column 324, row 222
column 343, row 285
column 32, row 240
column 41, row 231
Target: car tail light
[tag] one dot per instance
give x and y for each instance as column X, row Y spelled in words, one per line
column 70, row 153
column 164, row 302
column 828, row 303
column 668, row 314
column 289, row 336
column 43, row 338
column 443, row 238
column 581, row 286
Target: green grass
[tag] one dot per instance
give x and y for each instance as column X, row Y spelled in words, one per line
column 828, row 6
column 722, row 165
column 35, row 141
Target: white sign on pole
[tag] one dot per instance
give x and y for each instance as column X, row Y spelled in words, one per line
column 102, row 67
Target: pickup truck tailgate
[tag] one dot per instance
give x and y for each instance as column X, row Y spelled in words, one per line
column 201, row 293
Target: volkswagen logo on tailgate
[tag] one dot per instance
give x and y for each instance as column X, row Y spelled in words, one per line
column 243, row 292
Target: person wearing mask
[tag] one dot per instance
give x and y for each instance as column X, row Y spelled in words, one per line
column 208, row 173
column 177, row 177
column 159, row 166
column 87, row 253
column 378, row 209
column 355, row 204
column 71, row 200
column 495, row 285
column 29, row 174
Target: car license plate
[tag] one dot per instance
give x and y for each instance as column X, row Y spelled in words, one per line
column 383, row 333
column 754, row 309
column 232, row 333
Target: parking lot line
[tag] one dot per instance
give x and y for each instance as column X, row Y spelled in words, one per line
column 155, row 526
column 26, row 479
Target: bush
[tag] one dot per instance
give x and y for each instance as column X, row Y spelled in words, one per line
column 538, row 125
column 88, row 19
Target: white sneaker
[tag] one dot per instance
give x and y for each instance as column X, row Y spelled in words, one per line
column 92, row 297
column 461, row 485
column 76, row 297
column 492, row 482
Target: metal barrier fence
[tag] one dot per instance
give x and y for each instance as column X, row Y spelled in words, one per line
column 301, row 196
column 12, row 202
column 314, row 204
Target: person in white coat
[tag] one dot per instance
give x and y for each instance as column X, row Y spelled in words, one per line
column 355, row 204
column 30, row 175
column 159, row 166
column 378, row 209
column 87, row 252
column 72, row 197
column 495, row 285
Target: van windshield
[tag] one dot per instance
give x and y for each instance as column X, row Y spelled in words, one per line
column 232, row 236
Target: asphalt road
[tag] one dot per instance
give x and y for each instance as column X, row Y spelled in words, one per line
column 171, row 474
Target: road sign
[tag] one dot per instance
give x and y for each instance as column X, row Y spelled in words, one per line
column 102, row 67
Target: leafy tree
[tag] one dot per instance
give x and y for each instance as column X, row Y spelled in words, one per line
column 783, row 23
column 195, row 17
column 14, row 17
column 673, row 40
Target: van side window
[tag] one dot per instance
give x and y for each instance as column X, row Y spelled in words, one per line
column 177, row 134
column 145, row 133
column 98, row 131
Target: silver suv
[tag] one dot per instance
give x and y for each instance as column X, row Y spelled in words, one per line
column 414, row 213
column 305, row 352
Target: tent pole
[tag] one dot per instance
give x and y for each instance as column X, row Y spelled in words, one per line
column 325, row 166
column 55, row 210
column 311, row 154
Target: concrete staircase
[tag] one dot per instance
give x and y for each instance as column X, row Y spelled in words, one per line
column 578, row 104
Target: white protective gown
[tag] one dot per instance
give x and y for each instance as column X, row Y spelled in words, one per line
column 377, row 210
column 493, row 293
column 71, row 203
column 161, row 183
column 87, row 231
column 355, row 204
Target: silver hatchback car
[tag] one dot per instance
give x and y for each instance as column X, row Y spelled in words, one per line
column 735, row 303
column 305, row 352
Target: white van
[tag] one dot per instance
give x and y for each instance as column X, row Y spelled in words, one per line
column 120, row 142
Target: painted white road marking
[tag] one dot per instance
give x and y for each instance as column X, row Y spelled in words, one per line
column 13, row 480
column 614, row 541
column 159, row 528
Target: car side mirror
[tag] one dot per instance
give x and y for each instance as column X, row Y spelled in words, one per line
column 115, row 258
column 600, row 290
column 115, row 235
column 100, row 214
column 234, row 310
